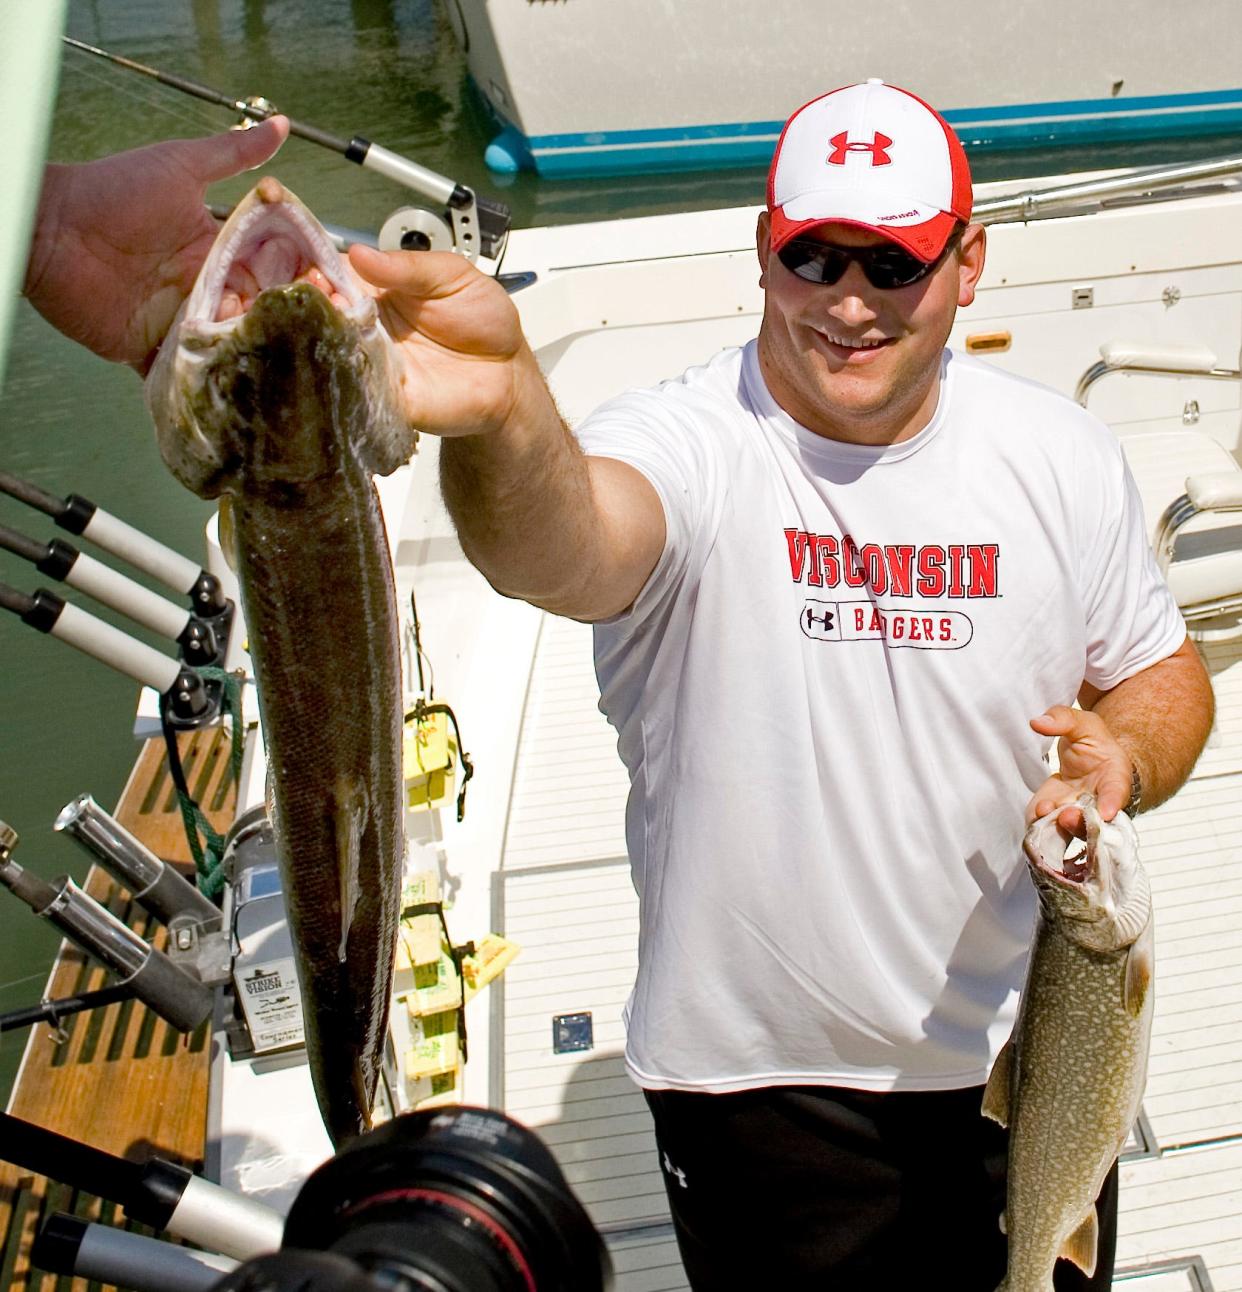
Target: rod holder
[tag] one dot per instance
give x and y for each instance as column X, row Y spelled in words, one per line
column 180, row 1000
column 156, row 886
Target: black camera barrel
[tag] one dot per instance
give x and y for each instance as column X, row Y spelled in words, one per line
column 461, row 1199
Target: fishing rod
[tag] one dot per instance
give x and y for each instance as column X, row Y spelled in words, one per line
column 473, row 224
column 52, row 1011
column 84, row 1249
column 158, row 1193
column 62, row 561
column 80, row 516
column 191, row 700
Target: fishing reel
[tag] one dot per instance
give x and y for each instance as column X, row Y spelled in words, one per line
column 475, row 226
column 455, row 1199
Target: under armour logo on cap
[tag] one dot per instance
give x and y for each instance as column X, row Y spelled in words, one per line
column 873, row 156
column 841, row 147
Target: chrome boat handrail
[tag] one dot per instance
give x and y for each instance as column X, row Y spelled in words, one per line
column 1035, row 204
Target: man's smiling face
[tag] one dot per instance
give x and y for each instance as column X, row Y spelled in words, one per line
column 851, row 361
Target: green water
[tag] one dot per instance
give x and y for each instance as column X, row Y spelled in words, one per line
column 387, row 69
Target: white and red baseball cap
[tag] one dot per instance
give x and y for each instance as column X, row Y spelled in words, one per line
column 875, row 156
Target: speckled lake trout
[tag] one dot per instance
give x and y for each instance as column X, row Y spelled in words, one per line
column 1070, row 1081
column 275, row 387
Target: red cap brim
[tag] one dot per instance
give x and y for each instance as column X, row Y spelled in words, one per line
column 925, row 241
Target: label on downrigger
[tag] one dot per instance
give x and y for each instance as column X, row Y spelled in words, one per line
column 272, row 1002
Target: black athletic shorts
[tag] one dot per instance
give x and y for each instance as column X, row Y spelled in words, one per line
column 820, row 1188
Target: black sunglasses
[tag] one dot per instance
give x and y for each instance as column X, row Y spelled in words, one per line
column 886, row 266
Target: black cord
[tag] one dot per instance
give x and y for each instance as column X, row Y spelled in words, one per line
column 420, row 710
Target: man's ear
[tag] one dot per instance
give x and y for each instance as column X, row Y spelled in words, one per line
column 971, row 253
column 763, row 245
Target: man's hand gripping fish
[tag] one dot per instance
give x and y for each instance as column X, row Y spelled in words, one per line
column 275, row 386
column 1069, row 1082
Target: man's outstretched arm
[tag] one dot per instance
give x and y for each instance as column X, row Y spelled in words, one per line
column 544, row 522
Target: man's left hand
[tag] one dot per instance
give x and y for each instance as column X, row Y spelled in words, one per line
column 1092, row 761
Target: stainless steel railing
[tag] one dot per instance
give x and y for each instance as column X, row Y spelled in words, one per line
column 1170, row 362
column 1061, row 199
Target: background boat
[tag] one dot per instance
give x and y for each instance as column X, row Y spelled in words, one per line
column 718, row 79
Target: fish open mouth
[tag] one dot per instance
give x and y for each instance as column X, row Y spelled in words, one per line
column 1078, row 867
column 1069, row 862
column 274, row 244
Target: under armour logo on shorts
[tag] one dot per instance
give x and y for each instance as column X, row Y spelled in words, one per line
column 675, row 1170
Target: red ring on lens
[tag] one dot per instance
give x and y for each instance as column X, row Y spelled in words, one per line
column 501, row 1236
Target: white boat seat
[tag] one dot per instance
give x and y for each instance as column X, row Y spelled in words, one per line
column 1191, row 487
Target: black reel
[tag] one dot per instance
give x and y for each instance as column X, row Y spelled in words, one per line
column 456, row 1199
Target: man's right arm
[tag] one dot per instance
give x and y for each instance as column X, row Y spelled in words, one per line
column 542, row 521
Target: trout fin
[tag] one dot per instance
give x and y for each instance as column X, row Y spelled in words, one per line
column 350, row 817
column 226, row 530
column 1139, row 967
column 1081, row 1246
column 996, row 1093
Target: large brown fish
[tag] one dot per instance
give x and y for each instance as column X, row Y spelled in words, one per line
column 276, row 387
column 1069, row 1083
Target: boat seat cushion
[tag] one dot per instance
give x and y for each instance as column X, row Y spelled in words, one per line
column 1207, row 557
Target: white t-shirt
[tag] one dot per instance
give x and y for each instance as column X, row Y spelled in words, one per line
column 822, row 696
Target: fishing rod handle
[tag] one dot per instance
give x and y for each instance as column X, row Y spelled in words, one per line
column 160, row 1194
column 68, row 1245
column 105, row 643
column 111, row 588
column 79, row 515
column 62, row 561
column 204, row 1213
column 140, row 550
column 408, row 173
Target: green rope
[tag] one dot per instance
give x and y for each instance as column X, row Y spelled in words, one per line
column 230, row 703
column 209, row 855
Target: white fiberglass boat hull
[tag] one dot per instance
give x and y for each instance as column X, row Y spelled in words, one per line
column 586, row 87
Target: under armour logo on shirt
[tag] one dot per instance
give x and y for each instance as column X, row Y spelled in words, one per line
column 675, row 1170
column 841, row 147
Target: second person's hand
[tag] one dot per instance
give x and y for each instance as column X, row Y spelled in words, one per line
column 119, row 242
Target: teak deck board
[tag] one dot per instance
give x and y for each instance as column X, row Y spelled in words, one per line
column 117, row 1078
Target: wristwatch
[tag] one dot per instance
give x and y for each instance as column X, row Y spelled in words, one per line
column 1134, row 806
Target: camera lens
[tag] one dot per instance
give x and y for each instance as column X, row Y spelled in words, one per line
column 452, row 1200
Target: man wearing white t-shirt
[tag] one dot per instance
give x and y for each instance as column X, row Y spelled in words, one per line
column 846, row 584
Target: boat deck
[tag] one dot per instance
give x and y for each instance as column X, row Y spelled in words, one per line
column 565, row 896
column 117, row 1078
